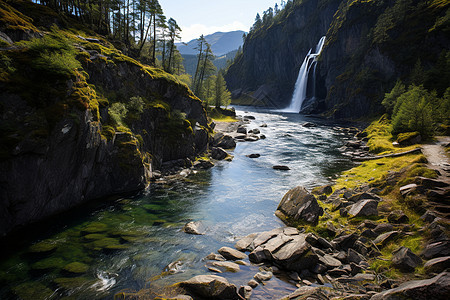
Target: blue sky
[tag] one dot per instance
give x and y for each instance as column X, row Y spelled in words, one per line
column 196, row 17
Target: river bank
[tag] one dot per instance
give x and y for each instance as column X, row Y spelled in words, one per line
column 377, row 233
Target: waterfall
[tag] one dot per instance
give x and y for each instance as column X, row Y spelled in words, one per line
column 301, row 85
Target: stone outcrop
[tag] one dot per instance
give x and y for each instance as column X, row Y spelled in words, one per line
column 210, row 287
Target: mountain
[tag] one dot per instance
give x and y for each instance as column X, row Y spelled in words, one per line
column 369, row 46
column 221, row 43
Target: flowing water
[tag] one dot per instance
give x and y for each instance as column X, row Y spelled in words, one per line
column 126, row 244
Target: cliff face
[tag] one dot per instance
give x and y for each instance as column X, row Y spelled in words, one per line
column 87, row 123
column 372, row 44
column 369, row 45
column 272, row 56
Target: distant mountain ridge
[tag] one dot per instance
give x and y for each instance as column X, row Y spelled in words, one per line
column 221, row 43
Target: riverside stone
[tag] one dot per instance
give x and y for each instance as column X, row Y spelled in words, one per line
column 215, row 256
column 218, row 153
column 245, row 291
column 263, row 276
column 231, row 254
column 405, row 260
column 299, row 204
column 282, row 168
column 227, row 266
column 364, row 208
column 437, row 287
column 244, row 244
column 210, row 286
column 437, row 265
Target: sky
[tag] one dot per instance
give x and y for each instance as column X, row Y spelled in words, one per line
column 197, row 17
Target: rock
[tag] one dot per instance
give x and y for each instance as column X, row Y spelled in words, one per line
column 369, row 233
column 437, row 249
column 226, row 142
column 329, row 261
column 324, row 244
column 251, row 138
column 263, row 125
column 353, row 144
column 437, row 265
column 437, row 287
column 344, row 242
column 282, row 168
column 76, row 268
column 385, row 238
column 408, row 189
column 256, row 131
column 263, row 276
column 232, row 254
column 254, row 155
column 307, row 292
column 405, row 260
column 343, row 212
column 245, row 291
column 353, row 256
column 196, row 228
column 309, row 125
column 262, row 137
column 240, row 136
column 253, row 283
column 409, row 138
column 295, row 255
column 242, row 129
column 244, row 244
column 249, row 117
column 430, row 183
column 218, row 153
column 383, row 227
column 325, row 189
column 210, row 286
column 319, row 269
column 363, row 196
column 398, row 217
column 227, row 266
column 364, row 208
column 215, row 256
column 299, row 204
column 337, row 272
column 203, row 164
column 258, row 255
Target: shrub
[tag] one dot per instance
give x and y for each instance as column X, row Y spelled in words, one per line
column 391, row 98
column 117, row 113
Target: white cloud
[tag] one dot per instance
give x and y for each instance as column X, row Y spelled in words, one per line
column 194, row 31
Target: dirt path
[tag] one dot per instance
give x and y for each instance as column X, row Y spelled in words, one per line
column 437, row 158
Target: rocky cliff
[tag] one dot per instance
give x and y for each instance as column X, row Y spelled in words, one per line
column 80, row 120
column 268, row 67
column 369, row 45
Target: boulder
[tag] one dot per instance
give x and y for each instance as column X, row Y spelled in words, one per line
column 263, row 125
column 196, row 228
column 258, row 255
column 299, row 204
column 385, row 238
column 218, row 153
column 256, row 131
column 383, row 227
column 262, row 137
column 210, row 286
column 437, row 265
column 437, row 287
column 398, row 217
column 437, row 249
column 430, row 183
column 249, row 117
column 226, row 142
column 364, row 208
column 215, row 256
column 245, row 291
column 263, row 276
column 244, row 244
column 325, row 189
column 203, row 164
column 282, row 168
column 226, row 266
column 296, row 255
column 329, row 261
column 242, row 129
column 309, row 125
column 308, row 292
column 231, row 254
column 345, row 242
column 251, row 138
column 405, row 260
column 253, row 155
column 409, row 138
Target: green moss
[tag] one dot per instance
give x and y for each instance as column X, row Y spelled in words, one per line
column 108, row 132
column 94, row 236
column 15, row 20
column 401, row 137
column 32, row 291
column 76, row 268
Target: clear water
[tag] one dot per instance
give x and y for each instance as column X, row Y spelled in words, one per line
column 232, row 200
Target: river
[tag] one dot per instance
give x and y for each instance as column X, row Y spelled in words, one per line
column 125, row 244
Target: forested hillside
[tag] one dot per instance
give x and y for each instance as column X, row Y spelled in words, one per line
column 369, row 46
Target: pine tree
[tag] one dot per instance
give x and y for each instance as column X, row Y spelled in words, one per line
column 222, row 95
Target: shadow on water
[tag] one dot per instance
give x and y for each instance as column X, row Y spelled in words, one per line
column 126, row 244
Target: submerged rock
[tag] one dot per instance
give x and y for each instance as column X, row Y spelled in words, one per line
column 196, row 228
column 282, row 168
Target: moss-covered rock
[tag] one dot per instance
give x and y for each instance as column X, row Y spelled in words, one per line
column 48, row 263
column 94, row 227
column 76, row 268
column 43, row 248
column 32, row 291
